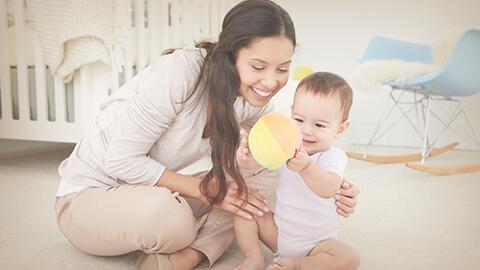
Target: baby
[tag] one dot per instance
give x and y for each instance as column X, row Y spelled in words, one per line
column 303, row 228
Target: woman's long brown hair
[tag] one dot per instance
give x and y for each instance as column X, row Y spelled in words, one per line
column 245, row 22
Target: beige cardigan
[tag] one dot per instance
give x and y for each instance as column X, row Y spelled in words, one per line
column 134, row 139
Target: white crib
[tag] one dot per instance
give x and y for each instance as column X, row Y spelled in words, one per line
column 36, row 106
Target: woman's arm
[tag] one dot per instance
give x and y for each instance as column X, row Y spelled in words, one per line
column 233, row 202
column 185, row 185
column 150, row 112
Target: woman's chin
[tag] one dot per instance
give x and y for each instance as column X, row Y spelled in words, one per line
column 258, row 100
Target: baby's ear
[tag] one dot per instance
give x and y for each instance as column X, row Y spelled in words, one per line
column 343, row 127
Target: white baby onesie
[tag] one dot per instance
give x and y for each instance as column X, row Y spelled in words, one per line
column 302, row 217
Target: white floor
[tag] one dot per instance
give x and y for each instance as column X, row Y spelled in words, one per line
column 405, row 219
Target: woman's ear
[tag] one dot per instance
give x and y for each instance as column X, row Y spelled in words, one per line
column 343, row 127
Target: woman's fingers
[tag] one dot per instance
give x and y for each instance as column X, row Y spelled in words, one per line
column 346, row 207
column 251, row 208
column 255, row 205
column 238, row 211
column 346, row 200
column 258, row 200
column 348, row 189
column 350, row 202
column 342, row 213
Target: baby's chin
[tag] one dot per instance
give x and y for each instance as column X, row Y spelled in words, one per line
column 313, row 150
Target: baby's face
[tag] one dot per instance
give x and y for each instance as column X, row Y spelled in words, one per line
column 319, row 119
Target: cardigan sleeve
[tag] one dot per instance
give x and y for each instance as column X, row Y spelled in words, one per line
column 157, row 100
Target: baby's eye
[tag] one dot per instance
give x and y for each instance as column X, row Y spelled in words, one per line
column 319, row 125
column 298, row 120
column 257, row 68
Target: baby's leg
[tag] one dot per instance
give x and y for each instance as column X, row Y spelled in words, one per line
column 329, row 254
column 248, row 232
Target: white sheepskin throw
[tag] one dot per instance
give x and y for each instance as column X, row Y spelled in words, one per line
column 77, row 32
column 374, row 74
column 371, row 74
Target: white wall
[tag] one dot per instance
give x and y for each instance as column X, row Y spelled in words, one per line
column 332, row 34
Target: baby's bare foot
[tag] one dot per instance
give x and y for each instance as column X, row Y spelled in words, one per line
column 283, row 263
column 254, row 262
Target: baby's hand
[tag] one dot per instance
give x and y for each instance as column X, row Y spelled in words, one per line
column 300, row 161
column 244, row 158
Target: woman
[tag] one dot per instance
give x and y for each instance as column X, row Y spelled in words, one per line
column 120, row 190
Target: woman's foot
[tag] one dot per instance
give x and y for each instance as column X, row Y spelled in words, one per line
column 184, row 259
column 255, row 262
column 154, row 262
column 283, row 263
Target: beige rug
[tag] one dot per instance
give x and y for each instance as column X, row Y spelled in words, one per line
column 405, row 219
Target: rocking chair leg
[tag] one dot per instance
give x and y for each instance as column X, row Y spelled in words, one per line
column 469, row 168
column 425, row 133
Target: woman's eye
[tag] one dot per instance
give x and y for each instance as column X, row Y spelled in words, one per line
column 257, row 68
column 319, row 125
column 282, row 70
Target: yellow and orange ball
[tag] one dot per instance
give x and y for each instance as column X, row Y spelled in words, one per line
column 302, row 71
column 273, row 140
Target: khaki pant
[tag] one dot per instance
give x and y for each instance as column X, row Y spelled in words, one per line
column 110, row 221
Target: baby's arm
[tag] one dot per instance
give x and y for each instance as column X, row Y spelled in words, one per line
column 323, row 183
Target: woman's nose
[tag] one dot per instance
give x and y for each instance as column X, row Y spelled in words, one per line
column 270, row 80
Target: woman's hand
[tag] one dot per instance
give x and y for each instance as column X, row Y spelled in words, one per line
column 256, row 204
column 346, row 199
column 244, row 158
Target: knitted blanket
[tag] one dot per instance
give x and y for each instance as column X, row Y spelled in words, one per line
column 77, row 32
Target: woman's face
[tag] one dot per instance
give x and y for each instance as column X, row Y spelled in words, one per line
column 264, row 68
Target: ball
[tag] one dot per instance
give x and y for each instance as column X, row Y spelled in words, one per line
column 302, row 71
column 273, row 140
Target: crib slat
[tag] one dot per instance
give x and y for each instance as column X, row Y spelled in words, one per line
column 214, row 19
column 179, row 24
column 164, row 25
column 141, row 52
column 153, row 10
column 5, row 85
column 194, row 20
column 90, row 91
column 175, row 29
column 187, row 23
column 60, row 101
column 128, row 68
column 40, row 80
column 204, row 8
column 77, row 109
column 22, row 78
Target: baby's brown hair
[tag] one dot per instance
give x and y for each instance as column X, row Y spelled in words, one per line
column 329, row 84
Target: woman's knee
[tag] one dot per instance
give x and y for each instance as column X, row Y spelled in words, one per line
column 167, row 223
